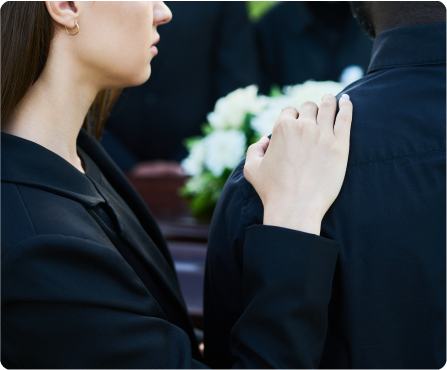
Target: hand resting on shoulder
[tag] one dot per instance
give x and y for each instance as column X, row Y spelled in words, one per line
column 301, row 173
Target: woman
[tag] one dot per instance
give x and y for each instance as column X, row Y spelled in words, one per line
column 87, row 279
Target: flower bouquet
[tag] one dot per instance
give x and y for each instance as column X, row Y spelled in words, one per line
column 238, row 120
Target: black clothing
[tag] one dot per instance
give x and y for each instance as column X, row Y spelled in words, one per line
column 129, row 254
column 88, row 281
column 300, row 40
column 388, row 298
column 205, row 52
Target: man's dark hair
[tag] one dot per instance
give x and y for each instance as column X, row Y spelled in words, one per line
column 363, row 15
column 377, row 16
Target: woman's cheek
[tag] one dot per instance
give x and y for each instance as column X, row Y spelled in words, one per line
column 123, row 43
column 141, row 37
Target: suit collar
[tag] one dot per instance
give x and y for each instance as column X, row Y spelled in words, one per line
column 158, row 260
column 128, row 230
column 123, row 187
column 409, row 46
column 133, row 234
column 28, row 163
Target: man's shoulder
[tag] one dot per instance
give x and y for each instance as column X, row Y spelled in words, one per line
column 237, row 185
column 397, row 112
column 239, row 203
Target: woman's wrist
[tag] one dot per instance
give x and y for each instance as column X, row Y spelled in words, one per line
column 305, row 219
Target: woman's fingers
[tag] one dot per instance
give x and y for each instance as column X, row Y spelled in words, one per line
column 286, row 114
column 302, row 173
column 326, row 112
column 263, row 144
column 287, row 118
column 343, row 121
column 255, row 153
column 308, row 112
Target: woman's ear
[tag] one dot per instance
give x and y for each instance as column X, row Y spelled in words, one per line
column 64, row 13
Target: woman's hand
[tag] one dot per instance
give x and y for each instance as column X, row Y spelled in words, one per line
column 301, row 173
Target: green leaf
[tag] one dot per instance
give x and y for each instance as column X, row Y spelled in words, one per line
column 206, row 129
column 191, row 141
column 203, row 201
column 275, row 91
column 254, row 139
column 246, row 128
column 256, row 9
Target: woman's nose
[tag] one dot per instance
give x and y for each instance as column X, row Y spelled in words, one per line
column 162, row 14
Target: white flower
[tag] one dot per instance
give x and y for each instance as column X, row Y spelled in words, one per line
column 196, row 184
column 231, row 110
column 224, row 149
column 294, row 96
column 263, row 123
column 311, row 91
column 193, row 164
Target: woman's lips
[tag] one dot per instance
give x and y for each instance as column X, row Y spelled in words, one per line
column 153, row 48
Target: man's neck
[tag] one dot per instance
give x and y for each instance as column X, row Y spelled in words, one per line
column 392, row 14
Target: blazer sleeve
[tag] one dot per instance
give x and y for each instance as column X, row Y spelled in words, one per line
column 74, row 303
column 287, row 285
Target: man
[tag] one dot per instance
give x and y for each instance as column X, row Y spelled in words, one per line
column 387, row 308
column 302, row 40
column 206, row 51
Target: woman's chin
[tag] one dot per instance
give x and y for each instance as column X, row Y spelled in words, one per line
column 123, row 80
column 140, row 78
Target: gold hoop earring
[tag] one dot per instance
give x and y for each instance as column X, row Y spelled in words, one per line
column 72, row 34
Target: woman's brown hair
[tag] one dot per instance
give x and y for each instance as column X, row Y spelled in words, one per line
column 27, row 30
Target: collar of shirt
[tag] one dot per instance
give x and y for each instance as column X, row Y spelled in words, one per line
column 28, row 163
column 409, row 46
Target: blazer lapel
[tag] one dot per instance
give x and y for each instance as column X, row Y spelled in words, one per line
column 120, row 183
column 132, row 232
column 150, row 245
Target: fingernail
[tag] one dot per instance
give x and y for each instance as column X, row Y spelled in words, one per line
column 345, row 96
column 263, row 139
column 328, row 93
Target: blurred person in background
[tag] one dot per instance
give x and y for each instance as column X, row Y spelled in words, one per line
column 335, row 46
column 208, row 51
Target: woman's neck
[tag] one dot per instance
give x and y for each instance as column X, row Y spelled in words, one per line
column 53, row 110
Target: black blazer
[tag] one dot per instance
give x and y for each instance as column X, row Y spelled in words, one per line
column 71, row 297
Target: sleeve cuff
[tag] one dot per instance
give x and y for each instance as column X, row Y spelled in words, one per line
column 275, row 256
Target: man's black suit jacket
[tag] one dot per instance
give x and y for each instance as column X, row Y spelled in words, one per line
column 76, row 295
column 388, row 298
